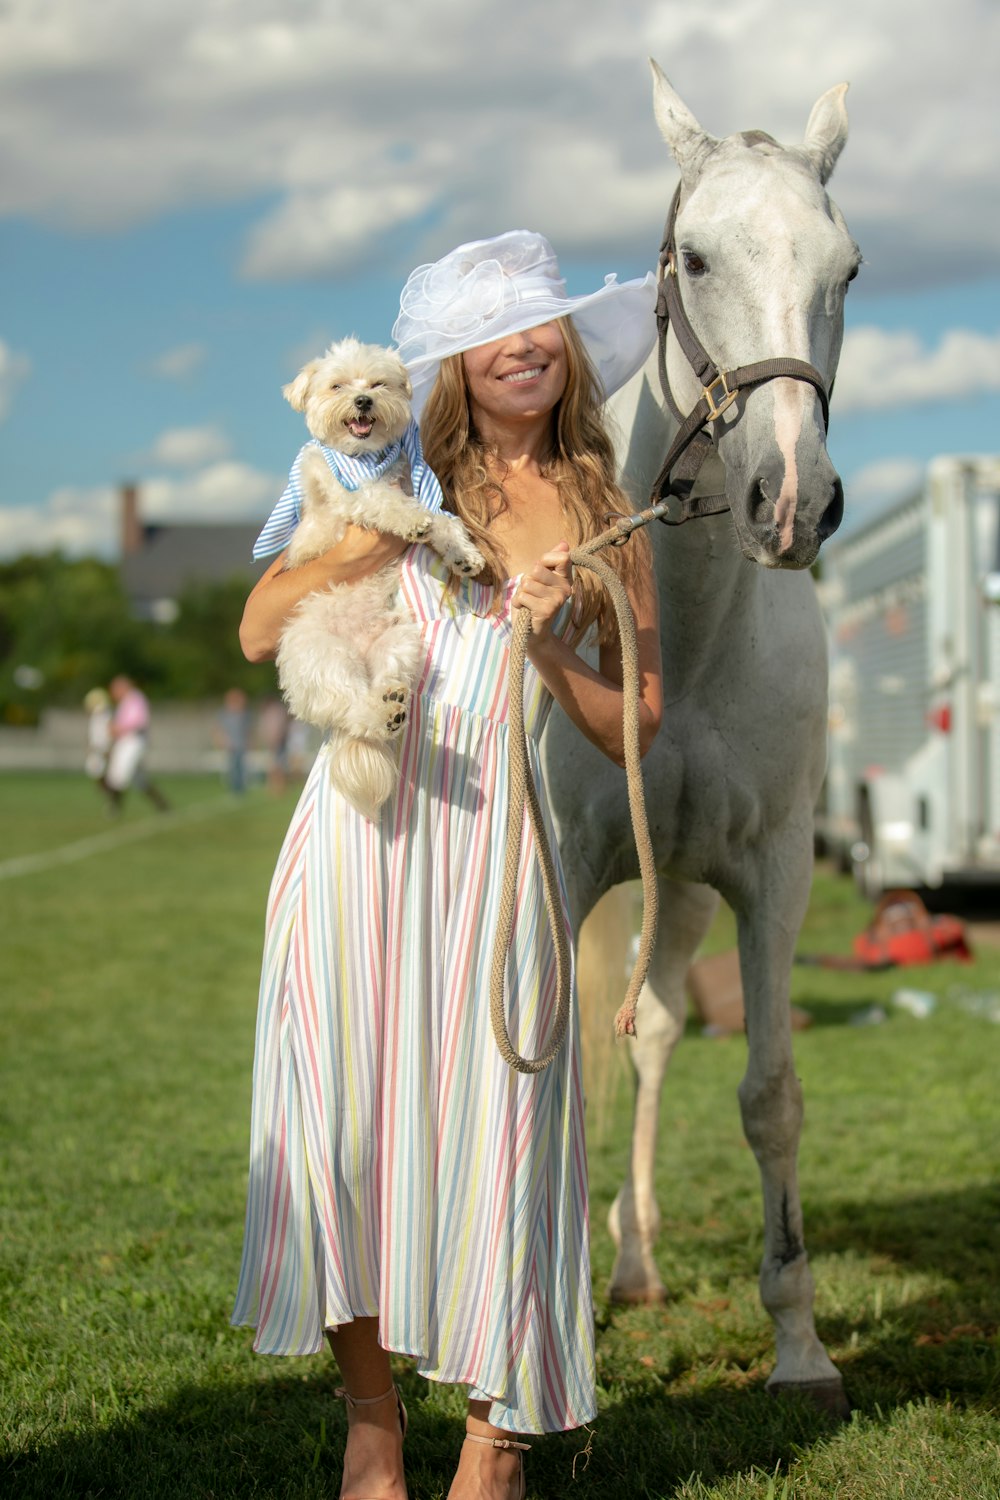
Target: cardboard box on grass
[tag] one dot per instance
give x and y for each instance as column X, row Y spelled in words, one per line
column 716, row 992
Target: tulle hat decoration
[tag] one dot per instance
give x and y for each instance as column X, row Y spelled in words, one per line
column 490, row 288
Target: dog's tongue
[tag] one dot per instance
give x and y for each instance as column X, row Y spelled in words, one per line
column 360, row 429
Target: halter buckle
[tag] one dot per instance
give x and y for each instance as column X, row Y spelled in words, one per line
column 717, row 406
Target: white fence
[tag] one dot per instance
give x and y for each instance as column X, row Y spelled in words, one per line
column 183, row 737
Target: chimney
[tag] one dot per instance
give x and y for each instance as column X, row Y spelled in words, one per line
column 131, row 525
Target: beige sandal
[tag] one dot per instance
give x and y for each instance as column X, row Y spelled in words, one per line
column 496, row 1442
column 354, row 1401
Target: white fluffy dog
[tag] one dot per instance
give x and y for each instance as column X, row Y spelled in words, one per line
column 348, row 653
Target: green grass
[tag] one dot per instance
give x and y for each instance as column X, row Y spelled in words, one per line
column 126, row 1031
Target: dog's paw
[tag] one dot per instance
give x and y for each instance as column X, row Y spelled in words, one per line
column 397, row 702
column 418, row 529
column 466, row 564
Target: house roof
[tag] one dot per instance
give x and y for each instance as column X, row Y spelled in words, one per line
column 172, row 556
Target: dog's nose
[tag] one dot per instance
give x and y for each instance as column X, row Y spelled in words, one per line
column 364, row 403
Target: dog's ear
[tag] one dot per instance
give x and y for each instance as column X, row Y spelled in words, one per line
column 296, row 392
column 402, row 375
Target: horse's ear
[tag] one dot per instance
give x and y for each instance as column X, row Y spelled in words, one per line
column 689, row 144
column 826, row 131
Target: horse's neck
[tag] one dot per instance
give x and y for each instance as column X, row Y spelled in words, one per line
column 706, row 585
column 707, row 593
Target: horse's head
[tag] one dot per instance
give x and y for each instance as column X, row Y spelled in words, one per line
column 763, row 260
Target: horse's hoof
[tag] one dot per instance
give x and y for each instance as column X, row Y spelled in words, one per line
column 642, row 1296
column 827, row 1396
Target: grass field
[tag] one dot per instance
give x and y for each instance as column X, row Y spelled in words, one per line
column 126, row 1031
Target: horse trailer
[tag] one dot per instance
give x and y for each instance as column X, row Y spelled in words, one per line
column 912, row 605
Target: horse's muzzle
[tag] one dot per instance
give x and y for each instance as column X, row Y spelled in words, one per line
column 789, row 532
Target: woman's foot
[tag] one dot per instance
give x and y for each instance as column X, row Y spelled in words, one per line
column 373, row 1457
column 491, row 1465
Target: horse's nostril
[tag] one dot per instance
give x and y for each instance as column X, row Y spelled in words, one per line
column 759, row 508
column 834, row 513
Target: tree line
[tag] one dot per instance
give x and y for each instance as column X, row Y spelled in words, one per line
column 66, row 626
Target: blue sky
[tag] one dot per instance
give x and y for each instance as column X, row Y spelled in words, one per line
column 193, row 202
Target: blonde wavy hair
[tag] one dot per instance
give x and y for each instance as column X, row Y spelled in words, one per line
column 581, row 464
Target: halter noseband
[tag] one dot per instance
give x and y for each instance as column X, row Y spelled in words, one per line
column 720, row 388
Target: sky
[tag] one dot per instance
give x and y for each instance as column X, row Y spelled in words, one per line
column 196, row 198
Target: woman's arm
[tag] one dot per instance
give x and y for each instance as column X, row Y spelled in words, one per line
column 278, row 591
column 593, row 699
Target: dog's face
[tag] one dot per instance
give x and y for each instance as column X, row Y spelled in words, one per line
column 355, row 399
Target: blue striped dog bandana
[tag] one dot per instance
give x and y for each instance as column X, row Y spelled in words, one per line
column 351, row 472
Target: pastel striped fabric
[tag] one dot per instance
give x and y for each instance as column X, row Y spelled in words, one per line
column 351, row 472
column 398, row 1168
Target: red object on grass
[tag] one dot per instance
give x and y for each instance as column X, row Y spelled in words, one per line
column 903, row 931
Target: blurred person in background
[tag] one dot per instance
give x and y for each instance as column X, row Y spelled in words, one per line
column 129, row 740
column 98, row 708
column 233, row 727
column 273, row 728
column 300, row 749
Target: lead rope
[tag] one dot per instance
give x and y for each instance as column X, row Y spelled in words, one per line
column 522, row 794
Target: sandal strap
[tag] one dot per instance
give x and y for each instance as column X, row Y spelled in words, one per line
column 353, row 1401
column 495, row 1442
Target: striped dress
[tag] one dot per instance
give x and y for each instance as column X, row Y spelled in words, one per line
column 398, row 1168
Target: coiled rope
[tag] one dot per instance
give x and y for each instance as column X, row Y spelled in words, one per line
column 522, row 794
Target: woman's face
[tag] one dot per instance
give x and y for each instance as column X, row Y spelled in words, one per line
column 520, row 376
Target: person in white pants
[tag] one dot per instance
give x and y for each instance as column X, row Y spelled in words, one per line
column 129, row 736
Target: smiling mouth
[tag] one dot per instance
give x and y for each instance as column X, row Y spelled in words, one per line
column 519, row 377
column 360, row 427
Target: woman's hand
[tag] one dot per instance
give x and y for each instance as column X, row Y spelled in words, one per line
column 359, row 553
column 593, row 698
column 544, row 589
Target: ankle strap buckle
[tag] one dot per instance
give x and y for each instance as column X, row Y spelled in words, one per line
column 497, row 1442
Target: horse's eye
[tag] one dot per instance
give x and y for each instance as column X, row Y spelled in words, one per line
column 693, row 264
column 853, row 275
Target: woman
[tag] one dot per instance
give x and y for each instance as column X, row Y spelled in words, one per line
column 408, row 1192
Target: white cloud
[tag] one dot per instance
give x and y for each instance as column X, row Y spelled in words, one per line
column 880, row 368
column 228, row 491
column 115, row 110
column 14, row 370
column 80, row 522
column 878, row 484
column 178, row 363
column 313, row 233
column 86, row 522
column 189, row 447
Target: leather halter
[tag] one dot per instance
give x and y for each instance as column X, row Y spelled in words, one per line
column 720, row 388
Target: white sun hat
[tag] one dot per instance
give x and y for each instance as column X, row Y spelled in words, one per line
column 490, row 288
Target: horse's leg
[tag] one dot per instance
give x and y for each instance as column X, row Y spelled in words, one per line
column 771, row 1105
column 686, row 913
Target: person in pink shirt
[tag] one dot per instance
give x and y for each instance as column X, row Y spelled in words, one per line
column 129, row 737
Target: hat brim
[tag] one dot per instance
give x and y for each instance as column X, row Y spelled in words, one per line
column 617, row 325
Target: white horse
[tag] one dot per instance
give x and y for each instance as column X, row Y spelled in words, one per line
column 763, row 262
